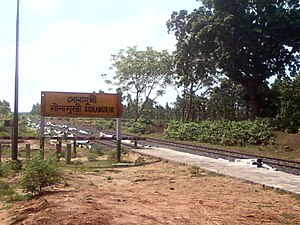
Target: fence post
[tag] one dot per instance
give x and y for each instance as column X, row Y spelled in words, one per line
column 27, row 151
column 74, row 147
column 135, row 141
column 68, row 159
column 59, row 141
column 0, row 152
column 58, row 151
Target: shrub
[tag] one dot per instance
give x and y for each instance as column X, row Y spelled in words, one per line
column 92, row 156
column 112, row 156
column 40, row 173
column 104, row 124
column 140, row 161
column 10, row 167
column 221, row 132
column 142, row 126
column 8, row 193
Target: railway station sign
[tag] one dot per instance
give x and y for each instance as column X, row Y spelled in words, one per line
column 73, row 104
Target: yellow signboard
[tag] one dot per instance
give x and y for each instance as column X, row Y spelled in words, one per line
column 67, row 104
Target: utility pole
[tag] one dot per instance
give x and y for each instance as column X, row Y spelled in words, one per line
column 14, row 153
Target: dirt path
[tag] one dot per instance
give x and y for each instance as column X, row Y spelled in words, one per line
column 156, row 193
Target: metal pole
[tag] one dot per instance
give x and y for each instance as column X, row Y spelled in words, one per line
column 14, row 153
column 42, row 137
column 119, row 138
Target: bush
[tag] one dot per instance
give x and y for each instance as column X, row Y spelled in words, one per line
column 40, row 173
column 141, row 127
column 10, row 167
column 104, row 124
column 8, row 193
column 92, row 156
column 221, row 132
column 112, row 156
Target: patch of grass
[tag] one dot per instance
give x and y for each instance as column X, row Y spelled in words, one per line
column 10, row 168
column 112, row 156
column 8, row 193
column 92, row 156
column 109, row 178
column 297, row 197
column 194, row 170
column 213, row 174
column 140, row 161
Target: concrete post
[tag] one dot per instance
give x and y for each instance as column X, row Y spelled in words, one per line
column 58, row 151
column 27, row 151
column 68, row 157
column 74, row 147
column 0, row 153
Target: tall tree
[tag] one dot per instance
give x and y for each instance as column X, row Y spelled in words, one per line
column 36, row 109
column 226, row 101
column 288, row 103
column 144, row 74
column 4, row 107
column 247, row 40
column 194, row 71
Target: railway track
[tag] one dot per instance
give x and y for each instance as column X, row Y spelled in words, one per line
column 287, row 166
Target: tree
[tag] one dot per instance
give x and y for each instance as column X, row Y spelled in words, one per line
column 4, row 107
column 145, row 74
column 193, row 69
column 36, row 109
column 226, row 101
column 248, row 40
column 288, row 103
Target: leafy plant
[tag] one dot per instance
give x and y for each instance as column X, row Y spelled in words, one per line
column 140, row 161
column 10, row 167
column 141, row 127
column 112, row 156
column 221, row 132
column 8, row 193
column 92, row 156
column 104, row 124
column 40, row 173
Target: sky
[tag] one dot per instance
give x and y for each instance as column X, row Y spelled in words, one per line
column 65, row 45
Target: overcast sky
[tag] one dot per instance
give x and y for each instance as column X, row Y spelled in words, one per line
column 66, row 44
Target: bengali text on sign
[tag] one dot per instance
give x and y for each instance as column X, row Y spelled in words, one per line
column 67, row 104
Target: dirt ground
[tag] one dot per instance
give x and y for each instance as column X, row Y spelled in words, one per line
column 158, row 192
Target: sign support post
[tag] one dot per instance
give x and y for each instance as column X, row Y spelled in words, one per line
column 119, row 138
column 42, row 132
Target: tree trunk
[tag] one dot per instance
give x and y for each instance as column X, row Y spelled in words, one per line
column 190, row 116
column 136, row 110
column 251, row 88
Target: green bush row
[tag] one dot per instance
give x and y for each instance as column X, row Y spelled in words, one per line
column 221, row 132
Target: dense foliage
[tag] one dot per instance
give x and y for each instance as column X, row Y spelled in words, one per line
column 40, row 173
column 247, row 41
column 287, row 92
column 4, row 108
column 141, row 75
column 221, row 132
column 36, row 109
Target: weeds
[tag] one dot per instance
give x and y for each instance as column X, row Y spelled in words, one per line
column 140, row 161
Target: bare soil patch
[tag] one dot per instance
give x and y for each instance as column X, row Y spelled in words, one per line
column 158, row 192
